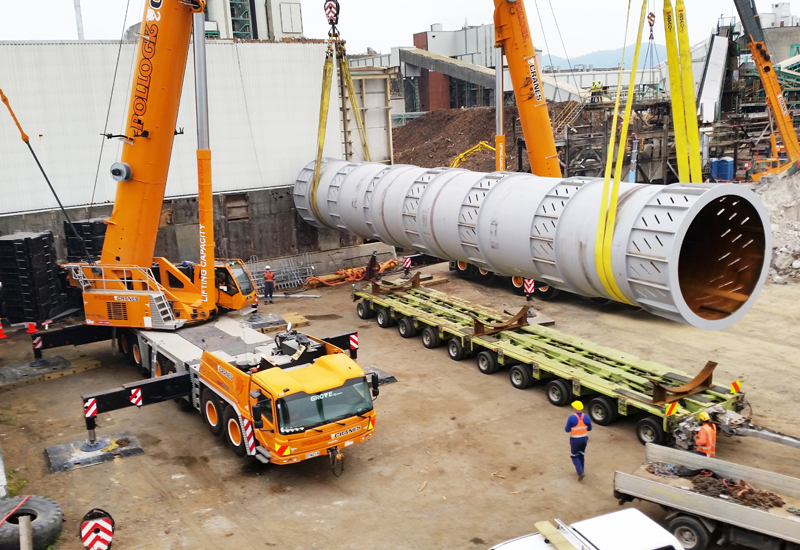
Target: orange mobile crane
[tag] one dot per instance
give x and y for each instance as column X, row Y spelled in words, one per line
column 281, row 400
column 756, row 42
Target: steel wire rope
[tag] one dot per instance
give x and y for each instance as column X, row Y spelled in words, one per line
column 561, row 38
column 108, row 111
column 247, row 111
column 549, row 53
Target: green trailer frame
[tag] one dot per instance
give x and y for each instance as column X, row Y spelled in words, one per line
column 619, row 384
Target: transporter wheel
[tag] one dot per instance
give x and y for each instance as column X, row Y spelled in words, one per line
column 455, row 349
column 487, row 362
column 558, row 392
column 123, row 343
column 517, row 285
column 364, row 310
column 47, row 520
column 650, row 430
column 212, row 413
column 136, row 353
column 466, row 270
column 431, row 338
column 484, row 275
column 406, row 328
column 234, row 433
column 602, row 410
column 690, row 532
column 521, row 376
column 546, row 292
column 384, row 318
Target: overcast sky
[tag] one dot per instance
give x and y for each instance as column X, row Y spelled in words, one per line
column 585, row 25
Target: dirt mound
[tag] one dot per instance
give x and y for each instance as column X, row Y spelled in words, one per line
column 781, row 196
column 436, row 138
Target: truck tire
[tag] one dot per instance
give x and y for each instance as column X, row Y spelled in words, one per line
column 521, row 376
column 455, row 349
column 47, row 520
column 136, row 353
column 602, row 410
column 406, row 328
column 364, row 310
column 212, row 413
column 234, row 433
column 466, row 270
column 431, row 338
column 517, row 285
column 487, row 362
column 690, row 532
column 484, row 275
column 558, row 392
column 650, row 430
column 546, row 292
column 384, row 318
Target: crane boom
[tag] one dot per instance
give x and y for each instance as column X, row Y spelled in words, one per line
column 513, row 34
column 756, row 42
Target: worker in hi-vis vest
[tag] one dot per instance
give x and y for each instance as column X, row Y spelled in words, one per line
column 578, row 427
column 707, row 436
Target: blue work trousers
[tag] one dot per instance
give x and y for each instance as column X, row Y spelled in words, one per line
column 577, row 448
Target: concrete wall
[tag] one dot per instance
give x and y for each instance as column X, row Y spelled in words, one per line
column 259, row 223
column 781, row 40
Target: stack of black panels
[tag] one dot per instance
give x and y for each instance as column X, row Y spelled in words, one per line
column 92, row 233
column 29, row 274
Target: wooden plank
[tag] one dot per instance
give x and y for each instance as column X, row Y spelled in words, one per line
column 294, row 318
column 553, row 536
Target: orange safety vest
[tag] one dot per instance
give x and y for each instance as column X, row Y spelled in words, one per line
column 580, row 429
column 269, row 276
column 707, row 440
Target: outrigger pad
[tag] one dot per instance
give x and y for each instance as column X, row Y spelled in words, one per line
column 383, row 376
column 265, row 320
column 62, row 458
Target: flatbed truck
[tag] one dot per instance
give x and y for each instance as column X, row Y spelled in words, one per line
column 697, row 520
column 614, row 383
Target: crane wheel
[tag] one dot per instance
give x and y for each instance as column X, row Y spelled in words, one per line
column 211, row 412
column 234, row 433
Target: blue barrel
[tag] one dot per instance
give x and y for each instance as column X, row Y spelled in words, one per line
column 714, row 169
column 725, row 170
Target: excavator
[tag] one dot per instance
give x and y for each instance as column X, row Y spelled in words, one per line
column 128, row 287
column 756, row 42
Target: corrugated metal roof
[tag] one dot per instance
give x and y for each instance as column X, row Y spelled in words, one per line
column 264, row 112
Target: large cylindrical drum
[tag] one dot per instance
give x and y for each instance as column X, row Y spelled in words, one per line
column 693, row 253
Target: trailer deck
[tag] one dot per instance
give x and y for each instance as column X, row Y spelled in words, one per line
column 540, row 353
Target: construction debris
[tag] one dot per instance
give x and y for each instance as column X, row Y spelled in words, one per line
column 741, row 492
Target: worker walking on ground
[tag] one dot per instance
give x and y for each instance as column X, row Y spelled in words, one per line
column 269, row 283
column 578, row 427
column 706, row 441
column 372, row 266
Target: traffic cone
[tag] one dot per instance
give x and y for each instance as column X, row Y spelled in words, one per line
column 31, row 328
column 2, row 332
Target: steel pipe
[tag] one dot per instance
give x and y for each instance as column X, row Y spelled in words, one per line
column 696, row 254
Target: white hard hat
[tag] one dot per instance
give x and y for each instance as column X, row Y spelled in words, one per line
column 266, row 267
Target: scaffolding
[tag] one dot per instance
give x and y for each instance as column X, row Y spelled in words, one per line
column 241, row 20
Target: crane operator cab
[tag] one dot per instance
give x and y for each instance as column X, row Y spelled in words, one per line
column 236, row 288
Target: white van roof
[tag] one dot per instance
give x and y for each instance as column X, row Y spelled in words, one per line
column 627, row 529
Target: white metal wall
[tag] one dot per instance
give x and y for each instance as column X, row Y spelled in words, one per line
column 264, row 113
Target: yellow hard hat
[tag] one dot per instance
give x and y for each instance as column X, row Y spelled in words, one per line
column 577, row 405
column 703, row 416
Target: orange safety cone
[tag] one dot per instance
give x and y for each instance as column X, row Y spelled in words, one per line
column 31, row 328
column 2, row 332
